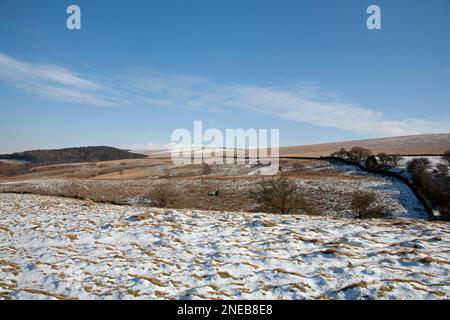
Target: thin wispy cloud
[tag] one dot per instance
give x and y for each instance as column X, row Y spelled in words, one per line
column 51, row 81
column 302, row 103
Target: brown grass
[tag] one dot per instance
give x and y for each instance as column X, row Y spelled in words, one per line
column 153, row 280
column 360, row 284
column 49, row 294
column 225, row 275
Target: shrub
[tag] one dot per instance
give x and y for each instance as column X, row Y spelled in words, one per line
column 364, row 204
column 371, row 162
column 358, row 154
column 163, row 196
column 383, row 158
column 395, row 160
column 418, row 165
column 279, row 195
column 420, row 178
column 389, row 160
column 432, row 189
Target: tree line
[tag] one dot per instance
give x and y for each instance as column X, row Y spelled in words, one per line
column 72, row 155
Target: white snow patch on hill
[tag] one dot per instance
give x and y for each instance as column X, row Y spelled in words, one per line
column 55, row 248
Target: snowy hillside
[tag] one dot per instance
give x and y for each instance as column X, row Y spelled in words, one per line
column 62, row 248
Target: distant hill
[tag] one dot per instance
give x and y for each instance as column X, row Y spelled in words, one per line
column 71, row 155
column 427, row 144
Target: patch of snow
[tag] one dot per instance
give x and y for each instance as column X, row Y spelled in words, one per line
column 56, row 248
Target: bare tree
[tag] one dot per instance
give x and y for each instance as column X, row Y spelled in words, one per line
column 418, row 165
column 364, row 204
column 163, row 195
column 279, row 195
column 358, row 154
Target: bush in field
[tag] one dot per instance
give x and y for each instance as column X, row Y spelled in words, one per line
column 371, row 162
column 420, row 177
column 442, row 170
column 418, row 165
column 388, row 160
column 163, row 195
column 431, row 188
column 395, row 160
column 364, row 204
column 280, row 195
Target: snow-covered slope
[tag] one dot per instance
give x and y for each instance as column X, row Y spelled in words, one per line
column 62, row 248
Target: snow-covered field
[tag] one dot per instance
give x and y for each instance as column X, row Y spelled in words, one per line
column 62, row 248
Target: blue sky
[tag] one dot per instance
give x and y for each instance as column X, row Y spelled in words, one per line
column 137, row 70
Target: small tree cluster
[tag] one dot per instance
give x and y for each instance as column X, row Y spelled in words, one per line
column 430, row 187
column 371, row 162
column 418, row 169
column 356, row 154
column 436, row 188
column 388, row 160
column 418, row 165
